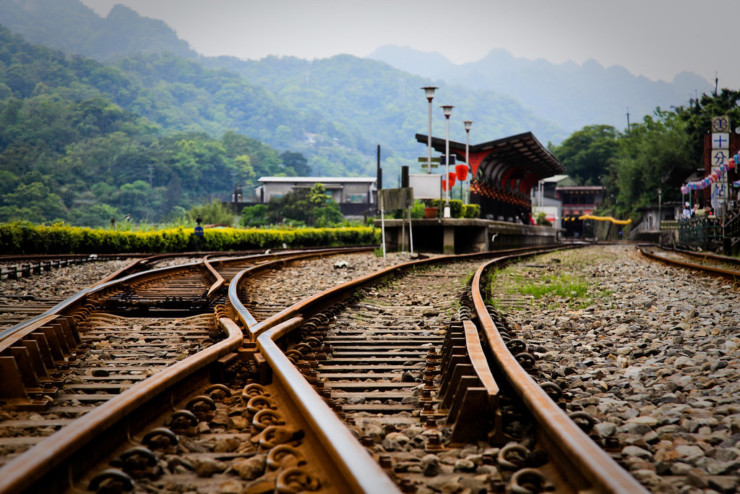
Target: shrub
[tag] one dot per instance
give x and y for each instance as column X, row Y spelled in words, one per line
column 24, row 238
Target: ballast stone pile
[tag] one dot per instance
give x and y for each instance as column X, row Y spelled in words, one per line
column 656, row 363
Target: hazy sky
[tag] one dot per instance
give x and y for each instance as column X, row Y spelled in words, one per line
column 654, row 38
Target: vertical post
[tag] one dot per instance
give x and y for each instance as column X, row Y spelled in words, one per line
column 382, row 221
column 429, row 91
column 468, row 124
column 447, row 111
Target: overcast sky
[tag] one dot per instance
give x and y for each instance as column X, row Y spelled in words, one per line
column 654, row 38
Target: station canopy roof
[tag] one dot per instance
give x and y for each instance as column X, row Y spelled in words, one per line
column 522, row 152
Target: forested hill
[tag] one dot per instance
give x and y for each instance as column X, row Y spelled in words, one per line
column 72, row 27
column 334, row 111
column 69, row 151
column 378, row 104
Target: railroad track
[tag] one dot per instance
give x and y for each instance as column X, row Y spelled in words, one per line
column 262, row 409
column 727, row 267
column 25, row 295
column 66, row 362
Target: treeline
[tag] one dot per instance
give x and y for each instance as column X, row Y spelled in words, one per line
column 70, row 153
column 661, row 152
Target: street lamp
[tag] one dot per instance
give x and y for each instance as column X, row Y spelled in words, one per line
column 468, row 124
column 447, row 109
column 429, row 91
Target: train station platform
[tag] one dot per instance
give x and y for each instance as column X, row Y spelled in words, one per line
column 462, row 236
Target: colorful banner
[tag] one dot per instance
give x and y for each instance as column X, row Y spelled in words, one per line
column 715, row 176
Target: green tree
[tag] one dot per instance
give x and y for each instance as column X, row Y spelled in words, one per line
column 254, row 216
column 308, row 207
column 649, row 155
column 297, row 162
column 587, row 153
column 213, row 213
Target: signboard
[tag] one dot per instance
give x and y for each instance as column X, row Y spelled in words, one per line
column 719, row 157
column 721, row 124
column 392, row 199
column 720, row 140
column 426, row 186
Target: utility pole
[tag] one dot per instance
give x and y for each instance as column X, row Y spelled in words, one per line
column 628, row 119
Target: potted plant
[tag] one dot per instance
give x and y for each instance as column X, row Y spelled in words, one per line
column 431, row 210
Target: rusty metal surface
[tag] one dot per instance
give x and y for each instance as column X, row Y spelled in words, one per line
column 359, row 469
column 578, row 456
column 25, row 470
column 731, row 274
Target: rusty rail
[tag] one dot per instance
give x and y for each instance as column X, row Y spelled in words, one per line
column 358, row 469
column 582, row 460
column 725, row 273
column 53, row 462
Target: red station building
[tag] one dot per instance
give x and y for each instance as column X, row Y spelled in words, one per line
column 504, row 172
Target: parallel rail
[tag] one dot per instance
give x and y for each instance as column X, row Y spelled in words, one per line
column 583, row 463
column 726, row 267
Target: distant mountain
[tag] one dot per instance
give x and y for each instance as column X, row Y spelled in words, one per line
column 379, row 104
column 71, row 26
column 335, row 111
column 570, row 94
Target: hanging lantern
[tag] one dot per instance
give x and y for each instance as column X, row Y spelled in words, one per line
column 444, row 185
column 452, row 179
column 461, row 171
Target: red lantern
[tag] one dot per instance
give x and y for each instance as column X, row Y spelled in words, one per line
column 444, row 185
column 452, row 179
column 462, row 172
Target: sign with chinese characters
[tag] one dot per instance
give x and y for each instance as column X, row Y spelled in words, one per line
column 721, row 124
column 720, row 140
column 719, row 157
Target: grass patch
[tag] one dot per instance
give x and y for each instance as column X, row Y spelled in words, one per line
column 560, row 285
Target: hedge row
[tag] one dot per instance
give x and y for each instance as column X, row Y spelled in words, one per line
column 25, row 238
column 458, row 209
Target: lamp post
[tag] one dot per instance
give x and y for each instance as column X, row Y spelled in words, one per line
column 468, row 124
column 429, row 91
column 447, row 109
column 660, row 207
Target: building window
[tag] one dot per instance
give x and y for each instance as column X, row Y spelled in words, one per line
column 356, row 198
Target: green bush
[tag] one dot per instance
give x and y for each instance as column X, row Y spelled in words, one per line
column 25, row 238
column 457, row 208
column 472, row 210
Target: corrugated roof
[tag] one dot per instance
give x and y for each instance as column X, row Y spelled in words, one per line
column 521, row 150
column 318, row 179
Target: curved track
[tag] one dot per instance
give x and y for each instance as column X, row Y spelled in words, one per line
column 436, row 379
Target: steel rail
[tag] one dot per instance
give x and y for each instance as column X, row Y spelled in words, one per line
column 357, row 467
column 244, row 316
column 703, row 255
column 109, row 283
column 59, row 450
column 578, row 455
column 725, row 273
column 349, row 455
column 254, row 327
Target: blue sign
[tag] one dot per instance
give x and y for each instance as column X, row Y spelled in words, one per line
column 198, row 231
